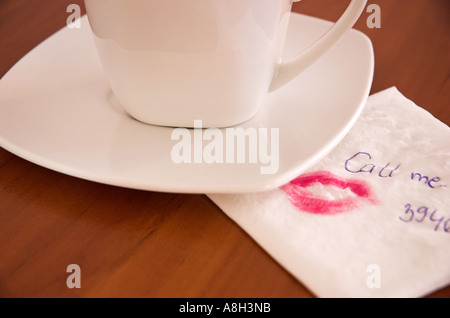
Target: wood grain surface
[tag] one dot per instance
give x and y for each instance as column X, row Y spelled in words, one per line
column 133, row 243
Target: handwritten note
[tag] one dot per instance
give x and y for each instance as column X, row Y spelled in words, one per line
column 361, row 162
column 423, row 213
column 376, row 207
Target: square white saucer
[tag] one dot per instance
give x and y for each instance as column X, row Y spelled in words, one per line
column 56, row 110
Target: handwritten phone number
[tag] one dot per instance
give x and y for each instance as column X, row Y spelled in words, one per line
column 425, row 214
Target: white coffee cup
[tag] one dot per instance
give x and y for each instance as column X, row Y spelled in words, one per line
column 171, row 62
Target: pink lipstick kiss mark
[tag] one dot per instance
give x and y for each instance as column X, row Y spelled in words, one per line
column 308, row 201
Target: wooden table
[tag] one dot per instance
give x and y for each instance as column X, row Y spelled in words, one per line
column 133, row 243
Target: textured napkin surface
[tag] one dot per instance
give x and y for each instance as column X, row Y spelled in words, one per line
column 372, row 218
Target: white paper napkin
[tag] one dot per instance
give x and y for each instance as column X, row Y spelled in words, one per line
column 372, row 218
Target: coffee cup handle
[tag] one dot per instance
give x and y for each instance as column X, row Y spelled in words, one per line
column 290, row 69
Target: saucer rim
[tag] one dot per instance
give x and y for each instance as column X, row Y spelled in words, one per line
column 150, row 185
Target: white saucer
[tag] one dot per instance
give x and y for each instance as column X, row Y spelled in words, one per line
column 57, row 111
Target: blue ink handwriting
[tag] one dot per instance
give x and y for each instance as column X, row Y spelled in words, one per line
column 362, row 162
column 428, row 181
column 423, row 213
column 352, row 165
